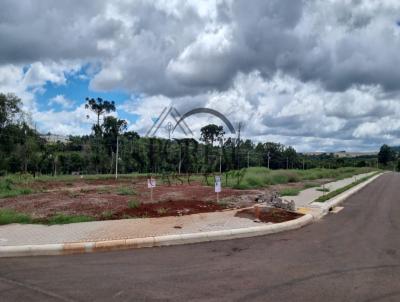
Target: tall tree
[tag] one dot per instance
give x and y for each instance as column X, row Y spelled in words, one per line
column 99, row 107
column 9, row 106
column 386, row 154
column 211, row 133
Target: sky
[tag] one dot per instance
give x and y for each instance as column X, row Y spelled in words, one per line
column 320, row 75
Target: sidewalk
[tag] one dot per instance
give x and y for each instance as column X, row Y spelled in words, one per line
column 306, row 197
column 28, row 240
column 28, row 234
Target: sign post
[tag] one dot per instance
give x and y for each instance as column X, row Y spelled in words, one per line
column 218, row 186
column 151, row 183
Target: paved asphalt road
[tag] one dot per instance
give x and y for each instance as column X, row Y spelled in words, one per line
column 350, row 256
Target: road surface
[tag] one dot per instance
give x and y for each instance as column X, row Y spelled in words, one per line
column 350, row 256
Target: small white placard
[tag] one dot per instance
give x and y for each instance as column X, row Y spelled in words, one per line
column 218, row 184
column 151, row 183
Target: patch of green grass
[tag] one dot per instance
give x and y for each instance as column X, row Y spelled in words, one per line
column 65, row 219
column 8, row 216
column 133, row 204
column 323, row 189
column 8, row 188
column 258, row 177
column 107, row 214
column 341, row 190
column 126, row 191
column 289, row 192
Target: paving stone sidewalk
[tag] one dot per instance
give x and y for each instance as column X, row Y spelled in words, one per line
column 306, row 197
column 19, row 234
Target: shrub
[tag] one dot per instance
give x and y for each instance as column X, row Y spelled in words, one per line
column 126, row 191
column 133, row 204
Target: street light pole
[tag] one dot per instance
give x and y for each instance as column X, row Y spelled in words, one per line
column 116, row 161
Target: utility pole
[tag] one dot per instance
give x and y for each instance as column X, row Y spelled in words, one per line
column 116, row 160
column 248, row 159
column 268, row 159
column 238, row 146
column 287, row 163
column 220, row 156
column 303, row 164
column 180, row 158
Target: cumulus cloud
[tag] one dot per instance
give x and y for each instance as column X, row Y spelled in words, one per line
column 316, row 74
column 61, row 100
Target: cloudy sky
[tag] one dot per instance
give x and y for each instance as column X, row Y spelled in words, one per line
column 319, row 75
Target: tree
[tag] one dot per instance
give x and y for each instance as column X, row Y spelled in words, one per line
column 386, row 154
column 99, row 107
column 9, row 106
column 211, row 133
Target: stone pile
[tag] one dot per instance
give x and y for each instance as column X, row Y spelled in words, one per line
column 274, row 200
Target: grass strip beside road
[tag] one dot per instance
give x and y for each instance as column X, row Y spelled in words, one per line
column 341, row 190
column 289, row 192
column 8, row 216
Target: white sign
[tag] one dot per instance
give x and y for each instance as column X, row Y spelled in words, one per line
column 151, row 183
column 217, row 184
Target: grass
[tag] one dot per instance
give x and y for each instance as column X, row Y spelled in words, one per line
column 341, row 190
column 8, row 216
column 290, row 192
column 9, row 189
column 107, row 214
column 126, row 191
column 258, row 177
column 65, row 219
column 18, row 184
column 323, row 189
column 133, row 204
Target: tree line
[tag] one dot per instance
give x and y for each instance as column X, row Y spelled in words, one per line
column 23, row 149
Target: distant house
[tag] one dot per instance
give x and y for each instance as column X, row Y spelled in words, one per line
column 54, row 138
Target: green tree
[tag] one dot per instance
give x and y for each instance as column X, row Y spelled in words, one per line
column 386, row 154
column 211, row 133
column 99, row 107
column 9, row 107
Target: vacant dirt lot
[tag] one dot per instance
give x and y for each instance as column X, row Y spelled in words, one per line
column 111, row 199
column 128, row 197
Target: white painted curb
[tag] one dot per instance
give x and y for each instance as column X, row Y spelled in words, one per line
column 84, row 247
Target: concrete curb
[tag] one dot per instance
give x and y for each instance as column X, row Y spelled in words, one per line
column 86, row 247
column 335, row 201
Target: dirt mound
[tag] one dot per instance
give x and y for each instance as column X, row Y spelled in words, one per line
column 268, row 215
column 169, row 208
